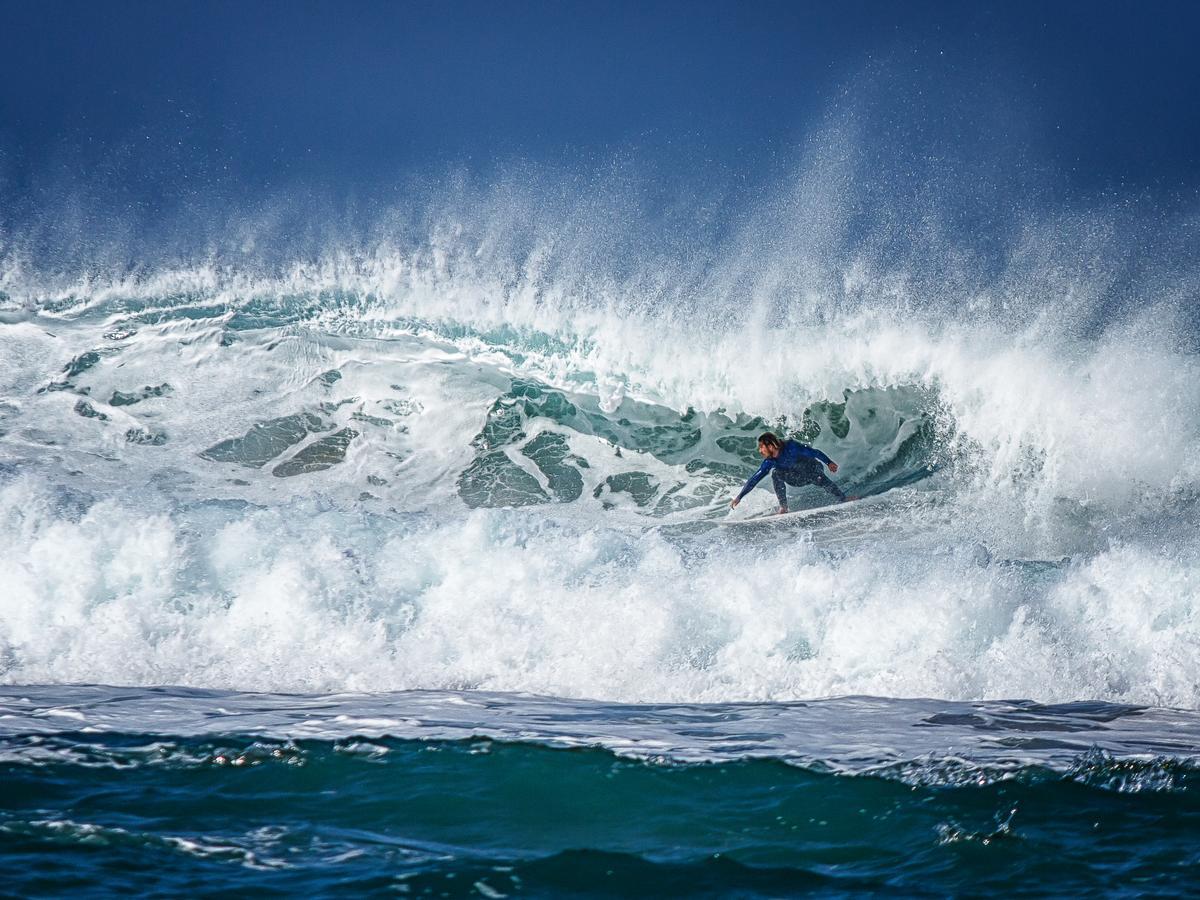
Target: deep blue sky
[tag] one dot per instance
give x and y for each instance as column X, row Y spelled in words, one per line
column 253, row 96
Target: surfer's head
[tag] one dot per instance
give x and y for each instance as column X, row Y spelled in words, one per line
column 769, row 445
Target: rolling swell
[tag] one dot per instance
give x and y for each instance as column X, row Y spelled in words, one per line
column 154, row 789
column 449, row 815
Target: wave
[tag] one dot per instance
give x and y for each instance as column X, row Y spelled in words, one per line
column 491, row 457
column 208, row 491
column 1060, row 417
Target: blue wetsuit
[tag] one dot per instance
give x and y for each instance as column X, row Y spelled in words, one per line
column 798, row 465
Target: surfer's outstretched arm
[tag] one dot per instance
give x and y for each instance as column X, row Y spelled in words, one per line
column 767, row 466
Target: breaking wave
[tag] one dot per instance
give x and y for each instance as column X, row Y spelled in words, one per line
column 496, row 458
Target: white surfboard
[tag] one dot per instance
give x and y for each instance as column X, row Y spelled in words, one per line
column 797, row 515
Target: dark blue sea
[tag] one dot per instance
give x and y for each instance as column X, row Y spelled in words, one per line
column 159, row 791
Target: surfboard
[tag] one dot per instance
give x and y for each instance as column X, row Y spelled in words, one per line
column 794, row 516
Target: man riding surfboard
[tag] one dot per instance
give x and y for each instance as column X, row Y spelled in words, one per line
column 790, row 462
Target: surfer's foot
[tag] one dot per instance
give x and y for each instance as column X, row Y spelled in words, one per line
column 848, row 499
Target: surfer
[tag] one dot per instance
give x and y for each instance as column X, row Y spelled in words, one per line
column 790, row 462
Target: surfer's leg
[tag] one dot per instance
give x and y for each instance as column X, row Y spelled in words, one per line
column 813, row 476
column 777, row 482
column 820, row 479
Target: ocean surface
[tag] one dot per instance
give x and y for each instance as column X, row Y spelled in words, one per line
column 472, row 793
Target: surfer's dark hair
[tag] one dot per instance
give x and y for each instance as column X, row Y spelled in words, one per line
column 768, row 438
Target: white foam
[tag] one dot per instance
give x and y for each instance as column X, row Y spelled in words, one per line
column 300, row 600
column 1070, row 432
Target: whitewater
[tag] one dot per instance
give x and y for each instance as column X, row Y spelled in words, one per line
column 474, row 461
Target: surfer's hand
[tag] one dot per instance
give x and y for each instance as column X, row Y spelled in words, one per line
column 782, row 510
column 733, row 503
column 832, row 466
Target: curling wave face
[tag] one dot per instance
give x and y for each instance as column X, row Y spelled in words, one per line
column 410, row 471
